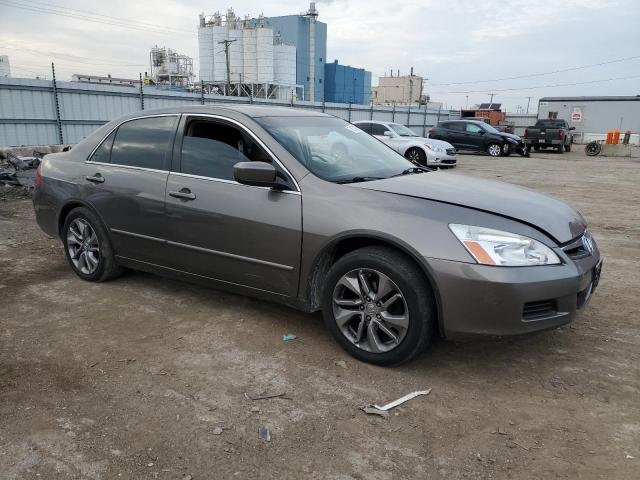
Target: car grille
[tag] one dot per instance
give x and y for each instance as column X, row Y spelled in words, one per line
column 451, row 151
column 579, row 247
column 539, row 310
column 448, row 162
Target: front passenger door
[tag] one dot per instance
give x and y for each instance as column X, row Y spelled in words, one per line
column 223, row 230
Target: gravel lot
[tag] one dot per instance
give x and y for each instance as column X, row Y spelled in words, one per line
column 145, row 377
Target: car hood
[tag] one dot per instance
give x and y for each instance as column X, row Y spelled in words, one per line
column 511, row 135
column 552, row 216
column 431, row 141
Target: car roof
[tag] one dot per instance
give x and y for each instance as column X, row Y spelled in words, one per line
column 253, row 111
column 379, row 122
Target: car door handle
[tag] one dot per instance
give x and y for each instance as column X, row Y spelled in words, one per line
column 97, row 178
column 184, row 194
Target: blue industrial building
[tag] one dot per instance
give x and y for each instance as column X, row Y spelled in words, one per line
column 344, row 84
column 305, row 31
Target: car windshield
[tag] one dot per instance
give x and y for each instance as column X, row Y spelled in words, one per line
column 402, row 130
column 335, row 150
column 489, row 128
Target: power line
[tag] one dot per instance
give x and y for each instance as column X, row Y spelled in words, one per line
column 540, row 86
column 120, row 23
column 72, row 58
column 119, row 19
column 539, row 74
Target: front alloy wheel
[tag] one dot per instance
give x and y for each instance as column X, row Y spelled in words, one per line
column 378, row 305
column 370, row 310
column 494, row 150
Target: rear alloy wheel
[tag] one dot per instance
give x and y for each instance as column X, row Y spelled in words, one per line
column 494, row 150
column 379, row 306
column 87, row 247
column 416, row 155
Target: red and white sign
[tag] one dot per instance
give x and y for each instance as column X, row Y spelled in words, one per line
column 576, row 115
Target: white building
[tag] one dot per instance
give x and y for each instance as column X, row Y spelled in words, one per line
column 401, row 90
column 5, row 67
column 245, row 58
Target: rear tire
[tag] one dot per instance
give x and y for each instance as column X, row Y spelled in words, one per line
column 561, row 148
column 567, row 148
column 384, row 270
column 88, row 248
column 416, row 155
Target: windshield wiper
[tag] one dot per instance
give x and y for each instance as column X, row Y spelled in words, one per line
column 411, row 170
column 359, row 179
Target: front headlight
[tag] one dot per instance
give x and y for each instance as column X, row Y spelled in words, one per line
column 495, row 247
column 433, row 148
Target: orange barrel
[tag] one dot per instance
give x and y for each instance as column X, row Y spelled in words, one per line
column 616, row 136
column 609, row 137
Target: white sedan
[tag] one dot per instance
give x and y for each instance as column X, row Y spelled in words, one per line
column 420, row 150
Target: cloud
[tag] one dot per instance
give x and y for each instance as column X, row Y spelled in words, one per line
column 456, row 40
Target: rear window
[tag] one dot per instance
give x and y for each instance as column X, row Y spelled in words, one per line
column 144, row 142
column 366, row 127
column 551, row 123
column 103, row 152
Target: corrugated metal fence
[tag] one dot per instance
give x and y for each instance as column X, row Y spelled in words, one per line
column 30, row 115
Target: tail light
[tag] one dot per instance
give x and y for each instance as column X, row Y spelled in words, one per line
column 526, row 132
column 561, row 134
column 37, row 181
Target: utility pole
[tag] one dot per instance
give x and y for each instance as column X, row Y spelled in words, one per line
column 528, row 101
column 226, row 44
column 467, row 97
column 491, row 101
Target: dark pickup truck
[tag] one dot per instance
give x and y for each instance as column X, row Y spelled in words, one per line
column 549, row 133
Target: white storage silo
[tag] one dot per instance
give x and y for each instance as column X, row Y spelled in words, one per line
column 250, row 55
column 265, row 54
column 284, row 64
column 205, row 53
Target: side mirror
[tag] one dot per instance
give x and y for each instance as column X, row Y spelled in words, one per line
column 259, row 174
column 387, row 133
column 482, row 132
column 572, row 128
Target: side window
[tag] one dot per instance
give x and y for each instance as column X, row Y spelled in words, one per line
column 211, row 149
column 143, row 142
column 377, row 129
column 472, row 128
column 456, row 126
column 364, row 127
column 103, row 152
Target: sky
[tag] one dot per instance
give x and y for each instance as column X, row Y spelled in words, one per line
column 466, row 49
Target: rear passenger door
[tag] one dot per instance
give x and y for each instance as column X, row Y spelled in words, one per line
column 223, row 230
column 455, row 134
column 125, row 180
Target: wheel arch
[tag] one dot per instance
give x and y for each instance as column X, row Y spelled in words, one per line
column 349, row 242
column 72, row 204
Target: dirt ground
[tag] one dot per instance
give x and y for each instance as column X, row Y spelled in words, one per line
column 144, row 377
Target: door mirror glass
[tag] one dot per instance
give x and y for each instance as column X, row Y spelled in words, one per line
column 259, row 174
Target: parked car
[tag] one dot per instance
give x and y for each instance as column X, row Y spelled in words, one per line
column 550, row 133
column 478, row 136
column 420, row 150
column 242, row 198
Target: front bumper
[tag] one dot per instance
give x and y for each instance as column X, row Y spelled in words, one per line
column 480, row 299
column 441, row 159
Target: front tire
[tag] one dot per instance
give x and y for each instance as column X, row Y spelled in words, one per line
column 416, row 155
column 379, row 306
column 88, row 247
column 494, row 149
